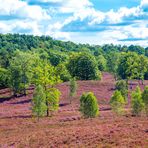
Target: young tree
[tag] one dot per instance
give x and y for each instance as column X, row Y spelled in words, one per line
column 84, row 67
column 145, row 99
column 123, row 88
column 52, row 97
column 89, row 105
column 46, row 76
column 137, row 102
column 39, row 102
column 72, row 88
column 117, row 102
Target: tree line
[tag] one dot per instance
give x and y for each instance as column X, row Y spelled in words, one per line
column 44, row 62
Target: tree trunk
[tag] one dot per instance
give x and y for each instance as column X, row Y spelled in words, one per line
column 47, row 108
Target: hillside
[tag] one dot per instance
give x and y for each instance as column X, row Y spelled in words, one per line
column 66, row 127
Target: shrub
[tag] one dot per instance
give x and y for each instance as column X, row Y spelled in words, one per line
column 89, row 105
column 39, row 102
column 123, row 88
column 73, row 88
column 137, row 102
column 145, row 99
column 117, row 102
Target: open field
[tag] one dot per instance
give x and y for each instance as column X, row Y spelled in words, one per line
column 66, row 128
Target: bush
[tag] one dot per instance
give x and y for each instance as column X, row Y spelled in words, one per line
column 117, row 102
column 145, row 99
column 39, row 102
column 89, row 105
column 123, row 88
column 137, row 102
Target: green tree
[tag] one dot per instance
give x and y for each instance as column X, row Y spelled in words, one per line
column 63, row 72
column 145, row 99
column 101, row 63
column 123, row 88
column 142, row 67
column 39, row 102
column 112, row 63
column 52, row 97
column 89, row 105
column 117, row 102
column 20, row 71
column 3, row 77
column 137, row 102
column 128, row 66
column 84, row 67
column 72, row 88
column 46, row 76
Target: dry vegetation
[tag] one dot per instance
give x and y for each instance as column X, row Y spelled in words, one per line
column 66, row 128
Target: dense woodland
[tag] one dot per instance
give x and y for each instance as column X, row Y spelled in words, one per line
column 44, row 62
column 108, row 57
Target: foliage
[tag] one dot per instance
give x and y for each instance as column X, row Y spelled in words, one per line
column 72, row 88
column 45, row 74
column 3, row 77
column 123, row 88
column 84, row 67
column 112, row 62
column 117, row 102
column 39, row 102
column 89, row 105
column 102, row 63
column 20, row 73
column 62, row 71
column 52, row 97
column 137, row 102
column 131, row 66
column 145, row 99
column 57, row 57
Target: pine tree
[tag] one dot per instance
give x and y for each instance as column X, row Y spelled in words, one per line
column 89, row 105
column 52, row 97
column 39, row 102
column 137, row 102
column 123, row 88
column 145, row 99
column 73, row 88
column 117, row 102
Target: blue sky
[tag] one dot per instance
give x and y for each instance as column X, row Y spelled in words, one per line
column 81, row 21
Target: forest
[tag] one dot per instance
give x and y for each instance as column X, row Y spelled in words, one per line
column 47, row 67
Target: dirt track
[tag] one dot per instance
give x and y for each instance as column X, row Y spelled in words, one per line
column 66, row 128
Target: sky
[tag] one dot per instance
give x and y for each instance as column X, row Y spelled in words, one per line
column 82, row 21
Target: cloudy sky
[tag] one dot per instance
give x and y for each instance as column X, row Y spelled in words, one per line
column 85, row 21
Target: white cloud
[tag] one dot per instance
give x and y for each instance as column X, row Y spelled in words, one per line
column 144, row 2
column 21, row 9
column 73, row 6
column 28, row 27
